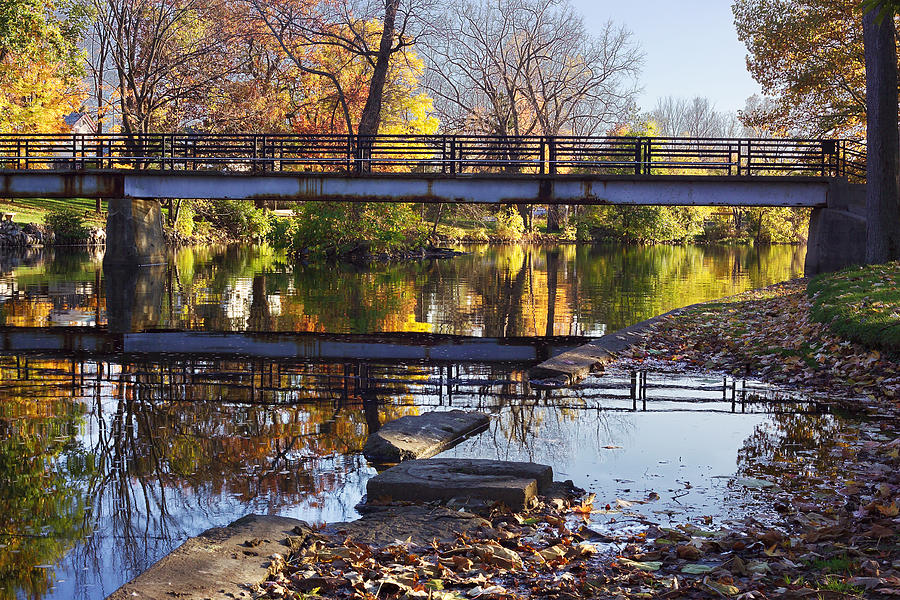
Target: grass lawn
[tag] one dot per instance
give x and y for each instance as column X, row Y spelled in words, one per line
column 33, row 210
column 860, row 304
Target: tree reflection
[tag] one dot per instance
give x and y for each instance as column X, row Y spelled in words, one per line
column 152, row 452
column 43, row 511
column 781, row 446
column 493, row 291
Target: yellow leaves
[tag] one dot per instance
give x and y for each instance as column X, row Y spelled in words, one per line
column 891, row 510
column 35, row 96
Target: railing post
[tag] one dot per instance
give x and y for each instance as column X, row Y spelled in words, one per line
column 841, row 158
column 648, row 159
column 544, row 153
column 829, row 157
column 453, row 155
column 637, row 156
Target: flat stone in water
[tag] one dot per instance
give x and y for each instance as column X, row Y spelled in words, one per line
column 383, row 525
column 443, row 479
column 422, row 436
column 220, row 562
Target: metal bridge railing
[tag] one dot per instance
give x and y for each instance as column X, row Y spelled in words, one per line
column 444, row 154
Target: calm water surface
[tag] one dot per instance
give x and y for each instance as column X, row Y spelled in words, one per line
column 504, row 291
column 108, row 461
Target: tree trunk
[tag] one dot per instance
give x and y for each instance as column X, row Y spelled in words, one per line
column 371, row 114
column 557, row 217
column 883, row 152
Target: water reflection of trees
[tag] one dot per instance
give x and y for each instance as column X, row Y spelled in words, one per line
column 151, row 451
column 494, row 291
column 793, row 444
column 42, row 510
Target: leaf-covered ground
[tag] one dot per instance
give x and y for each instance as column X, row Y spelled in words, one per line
column 771, row 333
column 830, row 529
column 860, row 304
column 833, row 540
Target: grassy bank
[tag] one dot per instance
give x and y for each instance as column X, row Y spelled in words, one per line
column 861, row 304
column 34, row 210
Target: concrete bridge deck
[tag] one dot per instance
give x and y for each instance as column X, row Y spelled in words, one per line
column 662, row 190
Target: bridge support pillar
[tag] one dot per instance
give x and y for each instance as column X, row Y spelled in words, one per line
column 837, row 233
column 134, row 296
column 134, row 233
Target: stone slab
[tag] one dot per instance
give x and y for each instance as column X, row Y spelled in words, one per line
column 422, row 436
column 384, row 525
column 441, row 479
column 219, row 563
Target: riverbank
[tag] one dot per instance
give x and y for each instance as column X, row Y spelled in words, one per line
column 773, row 333
column 808, row 540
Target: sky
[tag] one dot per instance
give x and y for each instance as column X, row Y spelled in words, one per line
column 691, row 48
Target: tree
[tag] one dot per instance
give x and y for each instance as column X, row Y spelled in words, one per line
column 520, row 67
column 883, row 144
column 164, row 54
column 528, row 67
column 696, row 118
column 808, row 55
column 342, row 33
column 39, row 64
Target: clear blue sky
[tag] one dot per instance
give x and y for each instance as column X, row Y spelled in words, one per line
column 690, row 46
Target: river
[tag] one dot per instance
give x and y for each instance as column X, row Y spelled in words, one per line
column 110, row 459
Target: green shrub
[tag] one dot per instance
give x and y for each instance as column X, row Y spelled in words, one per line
column 237, row 218
column 510, row 225
column 340, row 227
column 184, row 224
column 67, row 225
column 281, row 231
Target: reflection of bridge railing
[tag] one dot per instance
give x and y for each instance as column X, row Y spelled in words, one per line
column 437, row 154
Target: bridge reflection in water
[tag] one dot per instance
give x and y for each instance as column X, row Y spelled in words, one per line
column 131, row 455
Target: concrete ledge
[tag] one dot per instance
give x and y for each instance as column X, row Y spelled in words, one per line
column 572, row 366
column 422, row 436
column 441, row 479
column 220, row 562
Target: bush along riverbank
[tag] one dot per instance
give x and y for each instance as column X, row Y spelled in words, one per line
column 63, row 227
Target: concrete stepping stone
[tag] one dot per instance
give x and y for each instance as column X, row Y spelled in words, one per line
column 223, row 562
column 441, row 479
column 422, row 436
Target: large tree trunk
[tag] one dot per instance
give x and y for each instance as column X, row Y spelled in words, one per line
column 371, row 114
column 883, row 152
column 557, row 217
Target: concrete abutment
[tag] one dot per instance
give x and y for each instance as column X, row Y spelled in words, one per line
column 134, row 233
column 837, row 233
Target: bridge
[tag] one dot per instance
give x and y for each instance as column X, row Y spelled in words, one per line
column 134, row 172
